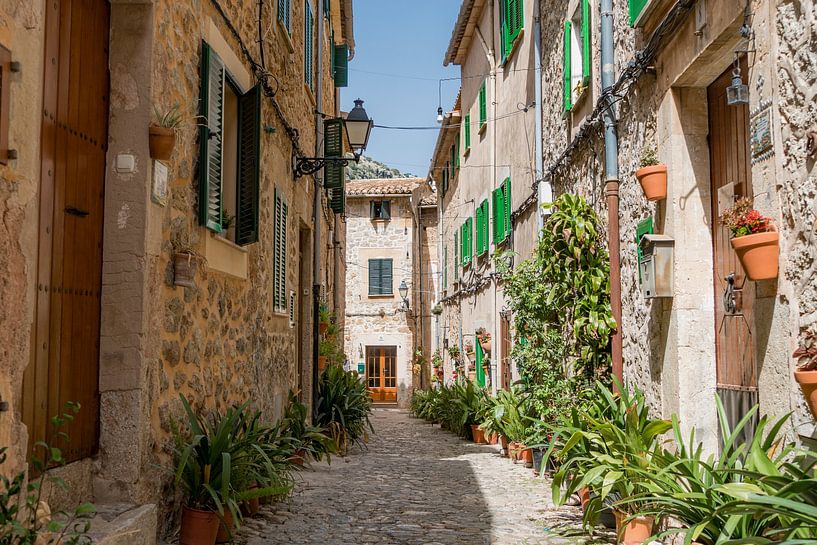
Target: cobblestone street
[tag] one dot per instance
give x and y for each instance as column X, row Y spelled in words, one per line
column 416, row 484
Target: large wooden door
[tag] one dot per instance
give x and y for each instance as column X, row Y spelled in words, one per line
column 65, row 355
column 731, row 178
column 381, row 373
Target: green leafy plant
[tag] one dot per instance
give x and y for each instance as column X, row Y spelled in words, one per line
column 806, row 353
column 24, row 515
column 343, row 407
column 311, row 440
column 649, row 156
column 171, row 119
column 742, row 219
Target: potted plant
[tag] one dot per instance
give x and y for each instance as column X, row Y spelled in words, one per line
column 469, row 348
column 484, row 339
column 754, row 239
column 227, row 222
column 437, row 309
column 185, row 261
column 162, row 133
column 652, row 175
column 806, row 373
column 324, row 316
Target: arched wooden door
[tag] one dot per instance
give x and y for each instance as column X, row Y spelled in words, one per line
column 65, row 355
column 381, row 373
column 731, row 178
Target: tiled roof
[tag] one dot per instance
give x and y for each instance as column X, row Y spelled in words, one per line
column 429, row 200
column 382, row 186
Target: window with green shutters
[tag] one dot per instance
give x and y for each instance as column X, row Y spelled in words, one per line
column 309, row 46
column 457, row 152
column 577, row 54
column 228, row 190
column 466, row 241
column 445, row 180
column 284, row 12
column 467, row 132
column 381, row 279
column 445, row 267
column 636, row 7
column 483, row 217
column 279, row 253
column 479, row 358
column 483, row 105
column 512, row 20
column 502, row 212
column 454, row 160
column 506, row 198
column 456, row 257
column 340, row 65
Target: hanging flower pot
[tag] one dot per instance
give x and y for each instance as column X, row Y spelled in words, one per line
column 161, row 141
column 184, row 269
column 198, row 527
column 758, row 253
column 754, row 239
column 806, row 373
column 653, row 180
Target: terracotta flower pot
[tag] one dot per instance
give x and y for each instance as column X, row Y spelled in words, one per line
column 503, row 442
column 323, row 361
column 653, row 180
column 198, row 527
column 758, row 253
column 478, row 435
column 584, row 496
column 808, row 383
column 225, row 528
column 322, row 327
column 493, row 439
column 636, row 531
column 161, row 142
column 513, row 446
column 184, row 269
column 526, row 455
column 298, row 457
column 486, row 345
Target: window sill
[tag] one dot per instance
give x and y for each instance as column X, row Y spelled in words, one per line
column 516, row 45
column 381, row 296
column 483, row 127
column 287, row 36
column 226, row 256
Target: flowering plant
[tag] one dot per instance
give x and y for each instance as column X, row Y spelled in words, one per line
column 744, row 220
column 806, row 353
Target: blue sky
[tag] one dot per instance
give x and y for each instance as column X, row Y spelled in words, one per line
column 398, row 42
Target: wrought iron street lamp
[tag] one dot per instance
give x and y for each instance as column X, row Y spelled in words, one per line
column 403, row 291
column 358, row 128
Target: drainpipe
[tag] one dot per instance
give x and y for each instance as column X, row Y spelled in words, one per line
column 611, row 189
column 544, row 190
column 317, row 211
column 421, row 319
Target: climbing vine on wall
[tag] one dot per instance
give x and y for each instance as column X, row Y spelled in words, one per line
column 560, row 298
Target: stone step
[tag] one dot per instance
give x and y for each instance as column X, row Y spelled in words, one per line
column 124, row 524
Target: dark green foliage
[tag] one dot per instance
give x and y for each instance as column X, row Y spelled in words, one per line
column 20, row 522
column 343, row 407
column 310, row 439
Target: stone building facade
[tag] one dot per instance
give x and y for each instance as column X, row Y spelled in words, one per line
column 685, row 348
column 241, row 330
column 485, row 157
column 381, row 335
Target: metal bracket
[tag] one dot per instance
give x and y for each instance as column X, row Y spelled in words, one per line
column 730, row 304
column 4, row 405
column 305, row 166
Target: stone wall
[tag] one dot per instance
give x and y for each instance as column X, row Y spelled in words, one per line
column 379, row 320
column 669, row 344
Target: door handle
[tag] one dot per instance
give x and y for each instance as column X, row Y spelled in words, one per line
column 730, row 302
column 74, row 211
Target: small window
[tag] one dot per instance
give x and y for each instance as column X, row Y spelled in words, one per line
column 309, row 46
column 380, row 210
column 577, row 54
column 381, row 277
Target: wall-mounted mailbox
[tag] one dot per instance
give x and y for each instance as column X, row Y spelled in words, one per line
column 656, row 265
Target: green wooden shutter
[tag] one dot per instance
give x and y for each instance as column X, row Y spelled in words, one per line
column 211, row 108
column 467, row 131
column 386, row 277
column 480, row 357
column 636, row 7
column 486, row 218
column 499, row 215
column 309, row 40
column 456, row 256
column 483, row 105
column 337, row 200
column 284, row 11
column 341, row 65
column 479, row 230
column 457, row 153
column 508, row 203
column 515, row 18
column 249, row 165
column 333, row 173
column 566, row 70
column 586, row 41
column 445, row 267
column 375, row 275
column 279, row 267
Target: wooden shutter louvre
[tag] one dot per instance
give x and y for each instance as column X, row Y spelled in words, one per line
column 586, row 42
column 279, row 252
column 284, row 10
column 567, row 73
column 333, row 173
column 479, row 230
column 445, row 267
column 211, row 108
column 467, row 131
column 341, row 66
column 456, row 257
column 374, row 277
column 308, row 45
column 249, row 166
column 483, row 105
column 636, row 7
column 386, row 277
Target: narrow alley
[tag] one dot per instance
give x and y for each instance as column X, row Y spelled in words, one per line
column 416, row 484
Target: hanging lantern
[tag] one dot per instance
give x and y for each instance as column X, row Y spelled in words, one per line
column 737, row 93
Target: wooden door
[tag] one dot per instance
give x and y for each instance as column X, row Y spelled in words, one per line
column 381, row 373
column 731, row 178
column 65, row 355
column 505, row 347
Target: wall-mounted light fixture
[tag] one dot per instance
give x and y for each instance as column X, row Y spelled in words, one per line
column 440, row 114
column 738, row 92
column 403, row 291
